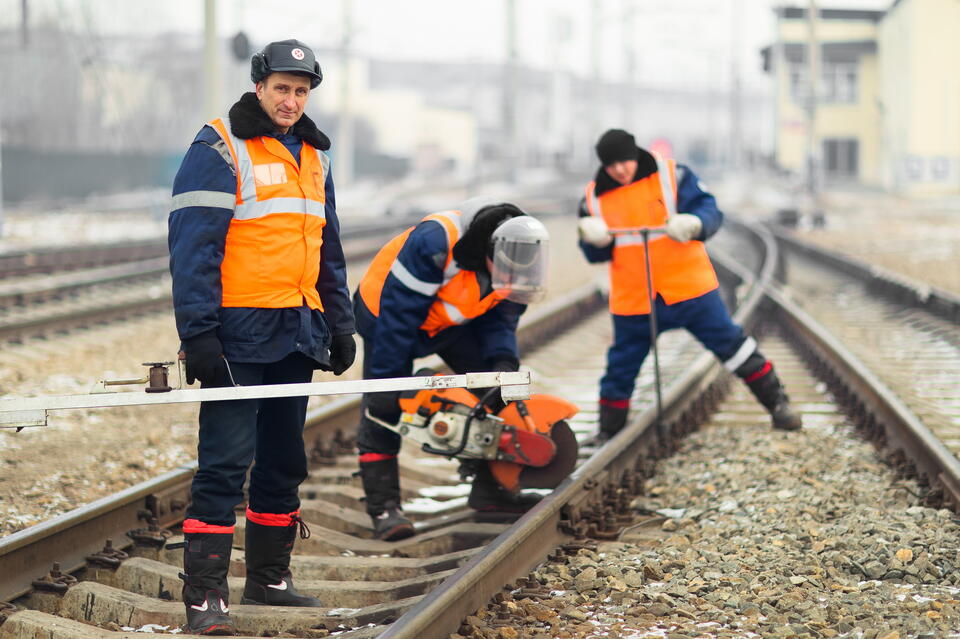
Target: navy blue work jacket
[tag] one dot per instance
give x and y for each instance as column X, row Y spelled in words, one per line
column 197, row 236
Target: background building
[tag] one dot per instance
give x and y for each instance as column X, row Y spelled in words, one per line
column 110, row 92
column 888, row 107
column 920, row 97
column 846, row 129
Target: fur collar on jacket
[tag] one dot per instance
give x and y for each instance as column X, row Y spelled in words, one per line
column 646, row 166
column 248, row 120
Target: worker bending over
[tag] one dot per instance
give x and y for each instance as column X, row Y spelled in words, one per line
column 455, row 285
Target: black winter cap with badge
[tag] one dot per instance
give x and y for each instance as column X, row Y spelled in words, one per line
column 292, row 56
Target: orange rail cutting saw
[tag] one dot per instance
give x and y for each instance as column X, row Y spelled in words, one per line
column 527, row 443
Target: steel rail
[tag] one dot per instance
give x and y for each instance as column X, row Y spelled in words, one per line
column 67, row 317
column 364, row 240
column 887, row 419
column 36, row 290
column 53, row 258
column 134, row 266
column 160, row 502
column 897, row 287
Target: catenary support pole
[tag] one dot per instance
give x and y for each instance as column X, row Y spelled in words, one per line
column 211, row 61
column 813, row 96
column 343, row 146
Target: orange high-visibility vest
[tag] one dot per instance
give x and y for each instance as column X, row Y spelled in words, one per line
column 679, row 270
column 272, row 253
column 458, row 298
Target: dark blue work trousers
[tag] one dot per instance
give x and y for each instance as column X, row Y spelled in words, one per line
column 458, row 346
column 705, row 317
column 268, row 432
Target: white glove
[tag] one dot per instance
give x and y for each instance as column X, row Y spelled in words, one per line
column 594, row 231
column 683, row 227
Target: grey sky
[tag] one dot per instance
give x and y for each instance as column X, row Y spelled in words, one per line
column 678, row 42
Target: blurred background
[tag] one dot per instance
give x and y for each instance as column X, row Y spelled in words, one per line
column 101, row 98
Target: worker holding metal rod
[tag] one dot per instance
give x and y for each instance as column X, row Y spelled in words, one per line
column 649, row 217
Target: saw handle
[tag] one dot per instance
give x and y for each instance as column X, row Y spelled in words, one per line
column 477, row 412
column 525, row 415
column 427, row 448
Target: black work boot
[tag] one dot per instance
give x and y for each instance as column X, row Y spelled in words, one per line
column 206, row 560
column 770, row 393
column 488, row 496
column 612, row 420
column 268, row 548
column 381, row 485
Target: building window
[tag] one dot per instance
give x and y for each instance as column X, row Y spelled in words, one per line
column 838, row 83
column 841, row 157
column 799, row 90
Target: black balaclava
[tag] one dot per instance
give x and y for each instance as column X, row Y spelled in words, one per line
column 472, row 249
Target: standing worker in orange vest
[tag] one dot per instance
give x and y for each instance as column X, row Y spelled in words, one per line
column 633, row 189
column 260, row 297
column 455, row 285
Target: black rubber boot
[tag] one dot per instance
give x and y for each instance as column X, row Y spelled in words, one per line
column 488, row 496
column 612, row 421
column 206, row 560
column 268, row 549
column 770, row 393
column 381, row 485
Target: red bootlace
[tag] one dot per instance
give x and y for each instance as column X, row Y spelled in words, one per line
column 295, row 520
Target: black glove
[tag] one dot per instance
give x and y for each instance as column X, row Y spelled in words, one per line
column 493, row 400
column 343, row 350
column 204, row 355
column 385, row 406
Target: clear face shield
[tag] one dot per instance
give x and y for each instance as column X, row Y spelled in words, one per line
column 520, row 260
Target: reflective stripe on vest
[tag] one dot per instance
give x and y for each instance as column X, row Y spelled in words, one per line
column 453, row 313
column 666, row 172
column 272, row 252
column 679, row 270
column 457, row 298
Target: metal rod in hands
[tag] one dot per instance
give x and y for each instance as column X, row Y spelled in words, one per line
column 645, row 234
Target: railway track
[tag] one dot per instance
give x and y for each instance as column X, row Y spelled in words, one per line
column 82, row 286
column 427, row 585
column 59, row 259
column 37, row 305
column 53, row 259
column 903, row 331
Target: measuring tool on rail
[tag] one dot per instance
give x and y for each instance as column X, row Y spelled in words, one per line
column 20, row 412
column 527, row 442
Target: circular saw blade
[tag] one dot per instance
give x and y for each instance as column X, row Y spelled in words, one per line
column 560, row 466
